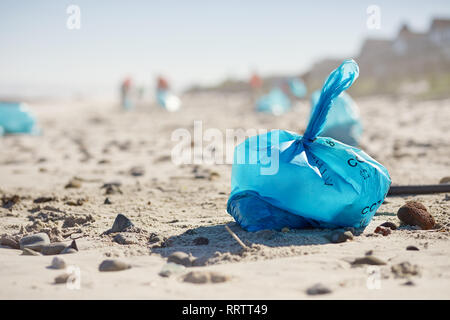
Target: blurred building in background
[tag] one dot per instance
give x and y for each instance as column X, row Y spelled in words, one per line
column 413, row 63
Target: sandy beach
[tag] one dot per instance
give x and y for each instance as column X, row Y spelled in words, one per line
column 172, row 206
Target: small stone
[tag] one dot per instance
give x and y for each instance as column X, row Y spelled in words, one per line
column 10, row 242
column 389, row 225
column 371, row 260
column 74, row 183
column 409, row 283
column 69, row 250
column 62, row 278
column 73, row 245
column 382, row 230
column 339, row 236
column 445, row 180
column 416, row 214
column 53, row 248
column 201, row 277
column 121, row 223
column 137, row 171
column 180, row 257
column 29, row 252
column 113, row 265
column 412, row 248
column 285, row 230
column 317, row 289
column 201, row 241
column 58, row 263
column 107, row 201
column 170, row 269
column 34, row 241
column 153, row 238
column 44, row 199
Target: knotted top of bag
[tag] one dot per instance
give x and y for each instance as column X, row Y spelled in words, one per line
column 338, row 81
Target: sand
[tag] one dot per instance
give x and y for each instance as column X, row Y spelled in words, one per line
column 172, row 205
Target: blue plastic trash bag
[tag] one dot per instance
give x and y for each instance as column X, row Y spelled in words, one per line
column 297, row 87
column 343, row 120
column 282, row 179
column 276, row 102
column 168, row 100
column 15, row 118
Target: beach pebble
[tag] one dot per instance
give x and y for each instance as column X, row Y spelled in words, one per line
column 29, row 252
column 382, row 230
column 107, row 201
column 34, row 241
column 74, row 183
column 201, row 241
column 318, row 288
column 170, row 269
column 371, row 260
column 416, row 214
column 120, row 224
column 58, row 263
column 339, row 236
column 10, row 242
column 62, row 278
column 389, row 225
column 113, row 265
column 137, row 171
column 201, row 277
column 445, row 180
column 73, row 245
column 412, row 248
column 180, row 257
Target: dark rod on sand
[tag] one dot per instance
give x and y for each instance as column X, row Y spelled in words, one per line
column 419, row 189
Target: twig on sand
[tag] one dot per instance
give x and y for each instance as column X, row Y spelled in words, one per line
column 419, row 189
column 236, row 238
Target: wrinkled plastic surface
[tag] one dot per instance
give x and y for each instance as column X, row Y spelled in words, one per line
column 297, row 87
column 276, row 102
column 16, row 118
column 282, row 179
column 343, row 120
column 168, row 100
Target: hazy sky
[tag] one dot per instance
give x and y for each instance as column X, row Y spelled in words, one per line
column 188, row 41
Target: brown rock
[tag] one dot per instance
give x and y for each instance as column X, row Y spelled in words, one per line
column 389, row 225
column 416, row 214
column 382, row 230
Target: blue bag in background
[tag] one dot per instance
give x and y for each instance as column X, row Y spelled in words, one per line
column 276, row 102
column 297, row 87
column 282, row 179
column 168, row 100
column 15, row 117
column 343, row 120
